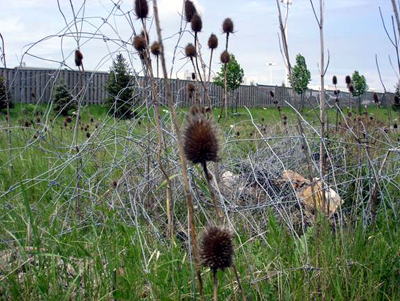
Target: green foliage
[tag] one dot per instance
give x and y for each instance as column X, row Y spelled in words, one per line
column 234, row 76
column 121, row 93
column 359, row 83
column 301, row 76
column 4, row 95
column 63, row 100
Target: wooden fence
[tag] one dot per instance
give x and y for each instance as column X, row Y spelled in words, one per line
column 29, row 85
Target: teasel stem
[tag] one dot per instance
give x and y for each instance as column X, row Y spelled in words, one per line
column 218, row 211
column 207, row 93
column 188, row 196
column 215, row 284
column 8, row 113
column 238, row 281
column 160, row 135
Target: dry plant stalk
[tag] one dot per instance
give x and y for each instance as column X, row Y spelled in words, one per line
column 3, row 55
column 189, row 198
column 160, row 140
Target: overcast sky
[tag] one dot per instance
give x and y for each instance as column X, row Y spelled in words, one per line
column 41, row 33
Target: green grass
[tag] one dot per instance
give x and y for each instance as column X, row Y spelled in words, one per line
column 112, row 244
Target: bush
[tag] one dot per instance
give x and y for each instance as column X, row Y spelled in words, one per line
column 121, row 93
column 63, row 100
column 4, row 95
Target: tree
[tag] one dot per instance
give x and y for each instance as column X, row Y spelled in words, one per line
column 63, row 100
column 301, row 77
column 118, row 86
column 360, row 87
column 234, row 75
column 4, row 95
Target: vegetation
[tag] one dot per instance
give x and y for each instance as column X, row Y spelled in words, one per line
column 63, row 100
column 4, row 94
column 360, row 86
column 120, row 102
column 234, row 75
column 300, row 78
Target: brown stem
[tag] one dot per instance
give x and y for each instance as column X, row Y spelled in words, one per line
column 238, row 281
column 215, row 285
column 218, row 211
column 181, row 153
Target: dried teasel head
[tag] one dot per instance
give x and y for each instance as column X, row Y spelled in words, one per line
column 225, row 57
column 139, row 42
column 190, row 10
column 200, row 141
column 396, row 99
column 155, row 49
column 212, row 41
column 196, row 23
column 227, row 26
column 193, row 76
column 334, row 80
column 272, row 94
column 348, row 80
column 216, row 247
column 351, row 88
column 395, row 126
column 376, row 98
column 87, row 135
column 78, row 58
column 141, row 9
column 191, row 87
column 194, row 110
column 190, row 50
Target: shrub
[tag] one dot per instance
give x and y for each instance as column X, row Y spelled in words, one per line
column 120, row 101
column 63, row 100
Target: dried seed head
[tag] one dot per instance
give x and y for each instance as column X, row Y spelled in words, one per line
column 238, row 134
column 225, row 57
column 227, row 26
column 200, row 142
column 65, row 123
column 190, row 10
column 351, row 89
column 396, row 99
column 190, row 50
column 193, row 76
column 376, row 98
column 194, row 110
column 279, row 108
column 284, row 117
column 191, row 87
column 272, row 94
column 68, row 119
column 212, row 41
column 155, row 49
column 88, row 135
column 349, row 114
column 141, row 9
column 216, row 247
column 197, row 23
column 348, row 80
column 395, row 126
column 139, row 42
column 114, row 184
column 334, row 80
column 78, row 58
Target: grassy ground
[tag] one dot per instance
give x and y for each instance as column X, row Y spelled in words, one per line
column 91, row 224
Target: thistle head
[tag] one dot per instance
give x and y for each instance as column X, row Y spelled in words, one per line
column 190, row 10
column 225, row 57
column 141, row 9
column 227, row 26
column 212, row 41
column 200, row 141
column 190, row 50
column 155, row 49
column 78, row 58
column 348, row 80
column 197, row 23
column 216, row 247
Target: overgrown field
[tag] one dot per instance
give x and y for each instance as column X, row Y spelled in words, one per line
column 88, row 220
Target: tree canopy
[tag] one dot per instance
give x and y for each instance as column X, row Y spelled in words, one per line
column 119, row 88
column 359, row 84
column 301, row 76
column 234, row 76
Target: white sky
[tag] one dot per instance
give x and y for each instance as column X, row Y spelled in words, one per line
column 36, row 33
